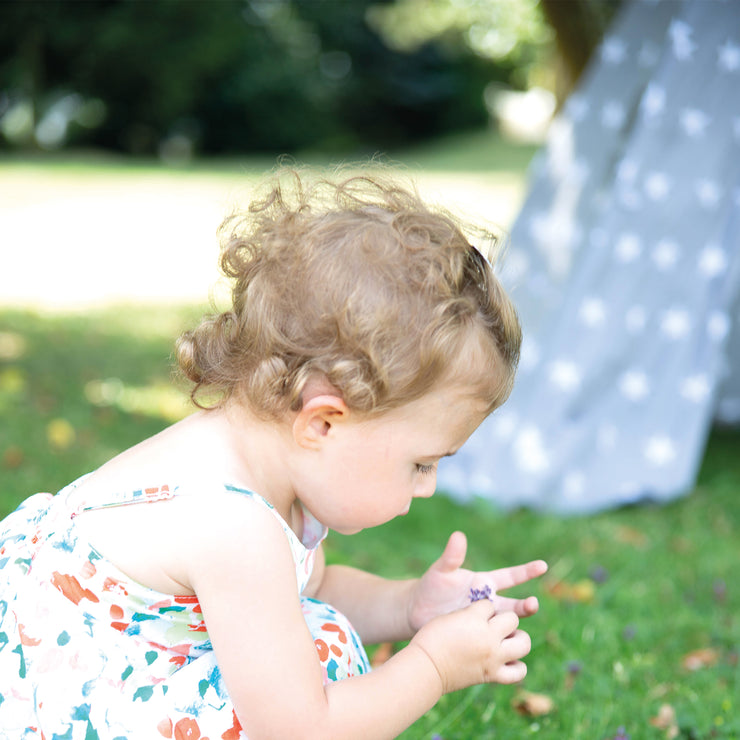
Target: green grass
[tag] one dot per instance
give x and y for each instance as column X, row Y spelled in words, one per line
column 481, row 152
column 630, row 592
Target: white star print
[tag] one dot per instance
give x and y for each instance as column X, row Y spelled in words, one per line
column 665, row 254
column 657, row 186
column 660, row 450
column 634, row 385
column 592, row 312
column 712, row 261
column 729, row 57
column 565, row 375
column 694, row 122
column 529, row 451
column 683, row 46
column 708, row 192
column 613, row 50
column 628, row 248
column 695, row 388
column 675, row 323
column 653, row 102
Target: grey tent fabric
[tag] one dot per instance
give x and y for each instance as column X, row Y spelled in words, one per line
column 624, row 263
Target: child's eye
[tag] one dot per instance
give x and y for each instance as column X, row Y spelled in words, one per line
column 425, row 469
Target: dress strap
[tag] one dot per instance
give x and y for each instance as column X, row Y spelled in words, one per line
column 314, row 532
column 127, row 498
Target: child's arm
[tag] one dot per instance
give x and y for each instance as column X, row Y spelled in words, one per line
column 240, row 566
column 383, row 610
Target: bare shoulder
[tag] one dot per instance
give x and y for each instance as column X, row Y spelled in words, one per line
column 162, row 545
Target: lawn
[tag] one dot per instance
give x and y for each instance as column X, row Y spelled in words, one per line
column 639, row 629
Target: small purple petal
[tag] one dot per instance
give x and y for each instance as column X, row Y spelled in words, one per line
column 477, row 594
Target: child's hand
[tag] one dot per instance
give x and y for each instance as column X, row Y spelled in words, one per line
column 474, row 645
column 446, row 586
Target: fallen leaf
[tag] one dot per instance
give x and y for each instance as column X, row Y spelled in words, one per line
column 666, row 720
column 701, row 658
column 13, row 457
column 530, row 704
column 631, row 536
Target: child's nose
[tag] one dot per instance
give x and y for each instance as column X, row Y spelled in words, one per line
column 427, row 487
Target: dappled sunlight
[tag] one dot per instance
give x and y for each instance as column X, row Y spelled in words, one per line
column 158, row 400
column 76, row 238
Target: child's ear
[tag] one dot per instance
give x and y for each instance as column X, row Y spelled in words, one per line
column 316, row 419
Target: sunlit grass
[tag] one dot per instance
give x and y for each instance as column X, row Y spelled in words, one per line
column 94, row 229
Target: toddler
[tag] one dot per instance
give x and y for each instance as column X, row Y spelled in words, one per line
column 180, row 590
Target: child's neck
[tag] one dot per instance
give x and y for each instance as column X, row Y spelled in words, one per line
column 256, row 455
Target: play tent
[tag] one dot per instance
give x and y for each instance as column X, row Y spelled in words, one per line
column 624, row 264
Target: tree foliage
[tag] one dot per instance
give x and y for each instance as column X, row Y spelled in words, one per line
column 233, row 75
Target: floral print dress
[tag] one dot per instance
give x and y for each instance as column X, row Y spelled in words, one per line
column 86, row 653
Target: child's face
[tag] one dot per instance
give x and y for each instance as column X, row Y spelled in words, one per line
column 369, row 471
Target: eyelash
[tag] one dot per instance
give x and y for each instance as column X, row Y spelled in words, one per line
column 424, row 469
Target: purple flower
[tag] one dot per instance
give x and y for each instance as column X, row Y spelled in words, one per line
column 629, row 632
column 574, row 667
column 622, row 734
column 476, row 594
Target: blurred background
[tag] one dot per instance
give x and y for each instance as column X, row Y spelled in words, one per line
column 215, row 91
column 130, row 128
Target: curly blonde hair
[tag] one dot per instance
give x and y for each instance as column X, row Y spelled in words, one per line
column 358, row 280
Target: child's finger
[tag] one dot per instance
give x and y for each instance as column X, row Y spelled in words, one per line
column 521, row 607
column 517, row 574
column 516, row 646
column 511, row 673
column 503, row 624
column 454, row 553
column 486, row 608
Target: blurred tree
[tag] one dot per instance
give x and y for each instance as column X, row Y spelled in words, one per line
column 251, row 75
column 578, row 26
